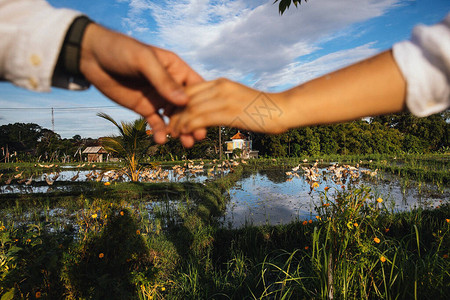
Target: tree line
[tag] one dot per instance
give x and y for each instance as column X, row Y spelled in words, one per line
column 31, row 142
column 391, row 134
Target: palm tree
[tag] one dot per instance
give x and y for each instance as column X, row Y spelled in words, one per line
column 131, row 144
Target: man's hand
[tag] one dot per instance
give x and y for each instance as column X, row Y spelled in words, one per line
column 138, row 76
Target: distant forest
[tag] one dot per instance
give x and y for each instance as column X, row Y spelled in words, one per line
column 392, row 134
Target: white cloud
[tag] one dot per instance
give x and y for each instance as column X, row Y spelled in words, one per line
column 135, row 20
column 247, row 39
column 299, row 72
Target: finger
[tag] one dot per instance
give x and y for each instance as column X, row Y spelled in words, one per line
column 201, row 121
column 199, row 134
column 193, row 77
column 192, row 91
column 187, row 140
column 202, row 110
column 157, row 75
column 183, row 74
column 197, row 122
column 174, row 118
column 180, row 71
column 159, row 128
column 143, row 102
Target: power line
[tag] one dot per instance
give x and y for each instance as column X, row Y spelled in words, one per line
column 60, row 108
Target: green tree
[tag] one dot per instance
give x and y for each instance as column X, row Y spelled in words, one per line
column 131, row 144
column 431, row 132
column 20, row 136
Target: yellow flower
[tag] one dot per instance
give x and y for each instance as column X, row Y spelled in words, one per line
column 315, row 185
column 94, row 216
column 121, row 213
column 326, row 205
column 376, row 240
column 106, row 216
column 310, row 221
column 163, row 289
column 318, row 218
column 138, row 231
column 326, row 188
column 383, row 259
column 305, row 222
column 379, row 200
column 447, row 220
column 445, row 256
column 386, row 230
column 107, row 183
column 2, row 228
column 101, row 255
column 306, row 247
column 28, row 240
column 38, row 294
column 355, row 224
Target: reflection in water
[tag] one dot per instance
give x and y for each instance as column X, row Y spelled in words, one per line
column 39, row 183
column 265, row 197
column 268, row 196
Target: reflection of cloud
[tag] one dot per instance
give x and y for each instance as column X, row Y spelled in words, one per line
column 247, row 39
column 265, row 201
column 259, row 199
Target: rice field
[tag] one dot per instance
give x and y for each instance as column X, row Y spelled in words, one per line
column 266, row 229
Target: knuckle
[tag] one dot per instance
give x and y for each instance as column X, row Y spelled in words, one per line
column 222, row 81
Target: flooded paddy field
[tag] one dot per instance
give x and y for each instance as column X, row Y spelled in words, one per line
column 65, row 178
column 271, row 197
column 81, row 223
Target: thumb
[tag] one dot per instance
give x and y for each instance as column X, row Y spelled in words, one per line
column 163, row 82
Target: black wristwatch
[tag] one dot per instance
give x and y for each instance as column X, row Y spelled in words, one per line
column 69, row 56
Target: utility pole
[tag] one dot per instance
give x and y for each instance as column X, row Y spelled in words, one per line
column 53, row 121
column 220, row 143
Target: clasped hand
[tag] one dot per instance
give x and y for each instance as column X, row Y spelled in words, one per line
column 140, row 77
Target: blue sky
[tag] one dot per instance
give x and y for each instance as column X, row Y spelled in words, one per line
column 245, row 40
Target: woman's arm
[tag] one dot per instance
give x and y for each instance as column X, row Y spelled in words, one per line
column 371, row 87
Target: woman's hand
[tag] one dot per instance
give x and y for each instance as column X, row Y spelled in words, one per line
column 227, row 103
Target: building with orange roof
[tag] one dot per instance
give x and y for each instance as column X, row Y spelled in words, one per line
column 240, row 141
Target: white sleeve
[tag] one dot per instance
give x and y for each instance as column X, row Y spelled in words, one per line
column 425, row 64
column 32, row 33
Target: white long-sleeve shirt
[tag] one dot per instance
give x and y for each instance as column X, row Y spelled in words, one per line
column 31, row 36
column 425, row 63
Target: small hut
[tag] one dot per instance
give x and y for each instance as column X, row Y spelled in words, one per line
column 95, row 154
